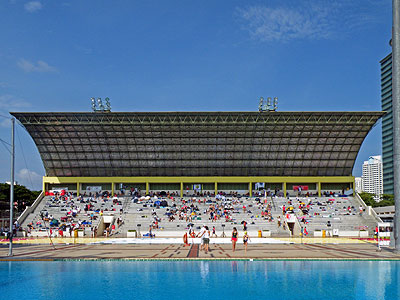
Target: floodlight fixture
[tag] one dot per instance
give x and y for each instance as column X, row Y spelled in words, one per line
column 100, row 104
column 268, row 105
column 108, row 104
column 93, row 103
column 275, row 103
column 261, row 104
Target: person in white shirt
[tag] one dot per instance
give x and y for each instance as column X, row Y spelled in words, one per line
column 206, row 239
column 201, row 235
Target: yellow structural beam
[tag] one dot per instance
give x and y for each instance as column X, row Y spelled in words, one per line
column 187, row 179
column 319, row 189
column 284, row 189
column 181, row 188
column 181, row 180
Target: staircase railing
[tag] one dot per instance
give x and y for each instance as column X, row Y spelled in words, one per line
column 30, row 209
column 368, row 209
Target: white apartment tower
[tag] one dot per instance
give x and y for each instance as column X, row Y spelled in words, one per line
column 358, row 184
column 372, row 176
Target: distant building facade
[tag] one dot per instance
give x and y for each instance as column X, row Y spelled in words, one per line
column 372, row 176
column 386, row 213
column 387, row 124
column 358, row 184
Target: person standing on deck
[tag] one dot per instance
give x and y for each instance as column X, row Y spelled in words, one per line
column 234, row 238
column 246, row 239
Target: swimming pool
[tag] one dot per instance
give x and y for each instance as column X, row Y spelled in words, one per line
column 342, row 280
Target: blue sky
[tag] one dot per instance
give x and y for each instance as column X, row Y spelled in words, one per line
column 188, row 56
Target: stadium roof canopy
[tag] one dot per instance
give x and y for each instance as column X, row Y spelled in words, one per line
column 198, row 143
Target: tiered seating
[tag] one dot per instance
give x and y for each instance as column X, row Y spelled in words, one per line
column 328, row 213
column 260, row 214
column 67, row 212
column 175, row 217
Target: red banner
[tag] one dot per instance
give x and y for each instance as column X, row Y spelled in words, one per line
column 303, row 187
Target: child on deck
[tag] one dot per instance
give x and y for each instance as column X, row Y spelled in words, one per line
column 246, row 239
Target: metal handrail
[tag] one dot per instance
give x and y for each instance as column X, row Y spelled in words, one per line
column 30, row 209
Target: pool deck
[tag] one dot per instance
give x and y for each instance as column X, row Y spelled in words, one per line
column 312, row 250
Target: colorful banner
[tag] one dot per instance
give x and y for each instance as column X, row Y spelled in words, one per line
column 302, row 187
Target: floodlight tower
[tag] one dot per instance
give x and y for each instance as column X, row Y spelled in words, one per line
column 275, row 103
column 108, row 104
column 94, row 108
column 268, row 108
column 10, row 227
column 100, row 104
column 267, row 105
column 261, row 104
column 396, row 117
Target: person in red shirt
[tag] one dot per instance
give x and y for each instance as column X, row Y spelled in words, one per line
column 305, row 231
column 113, row 229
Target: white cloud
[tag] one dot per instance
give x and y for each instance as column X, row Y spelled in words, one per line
column 33, row 6
column 10, row 102
column 29, row 178
column 84, row 50
column 310, row 20
column 268, row 24
column 40, row 66
column 5, row 123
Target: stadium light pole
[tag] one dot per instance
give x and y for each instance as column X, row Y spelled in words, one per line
column 10, row 236
column 396, row 116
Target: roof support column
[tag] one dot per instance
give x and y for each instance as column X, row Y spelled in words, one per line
column 112, row 188
column 284, row 189
column 147, row 187
column 250, row 189
column 319, row 188
column 396, row 118
column 181, row 189
column 78, row 185
column 216, row 188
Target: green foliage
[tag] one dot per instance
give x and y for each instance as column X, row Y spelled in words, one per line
column 368, row 199
column 387, row 200
column 385, row 203
column 22, row 195
column 387, row 197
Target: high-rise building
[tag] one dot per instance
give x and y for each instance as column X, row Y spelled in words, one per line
column 372, row 180
column 387, row 124
column 358, row 184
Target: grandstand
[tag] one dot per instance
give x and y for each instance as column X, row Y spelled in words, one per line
column 112, row 161
column 327, row 216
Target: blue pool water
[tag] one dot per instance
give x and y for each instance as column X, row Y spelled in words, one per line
column 200, row 280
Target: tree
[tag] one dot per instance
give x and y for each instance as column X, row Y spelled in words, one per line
column 22, row 196
column 384, row 203
column 387, row 197
column 368, row 199
column 387, row 200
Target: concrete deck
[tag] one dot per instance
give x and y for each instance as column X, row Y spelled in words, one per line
column 274, row 251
